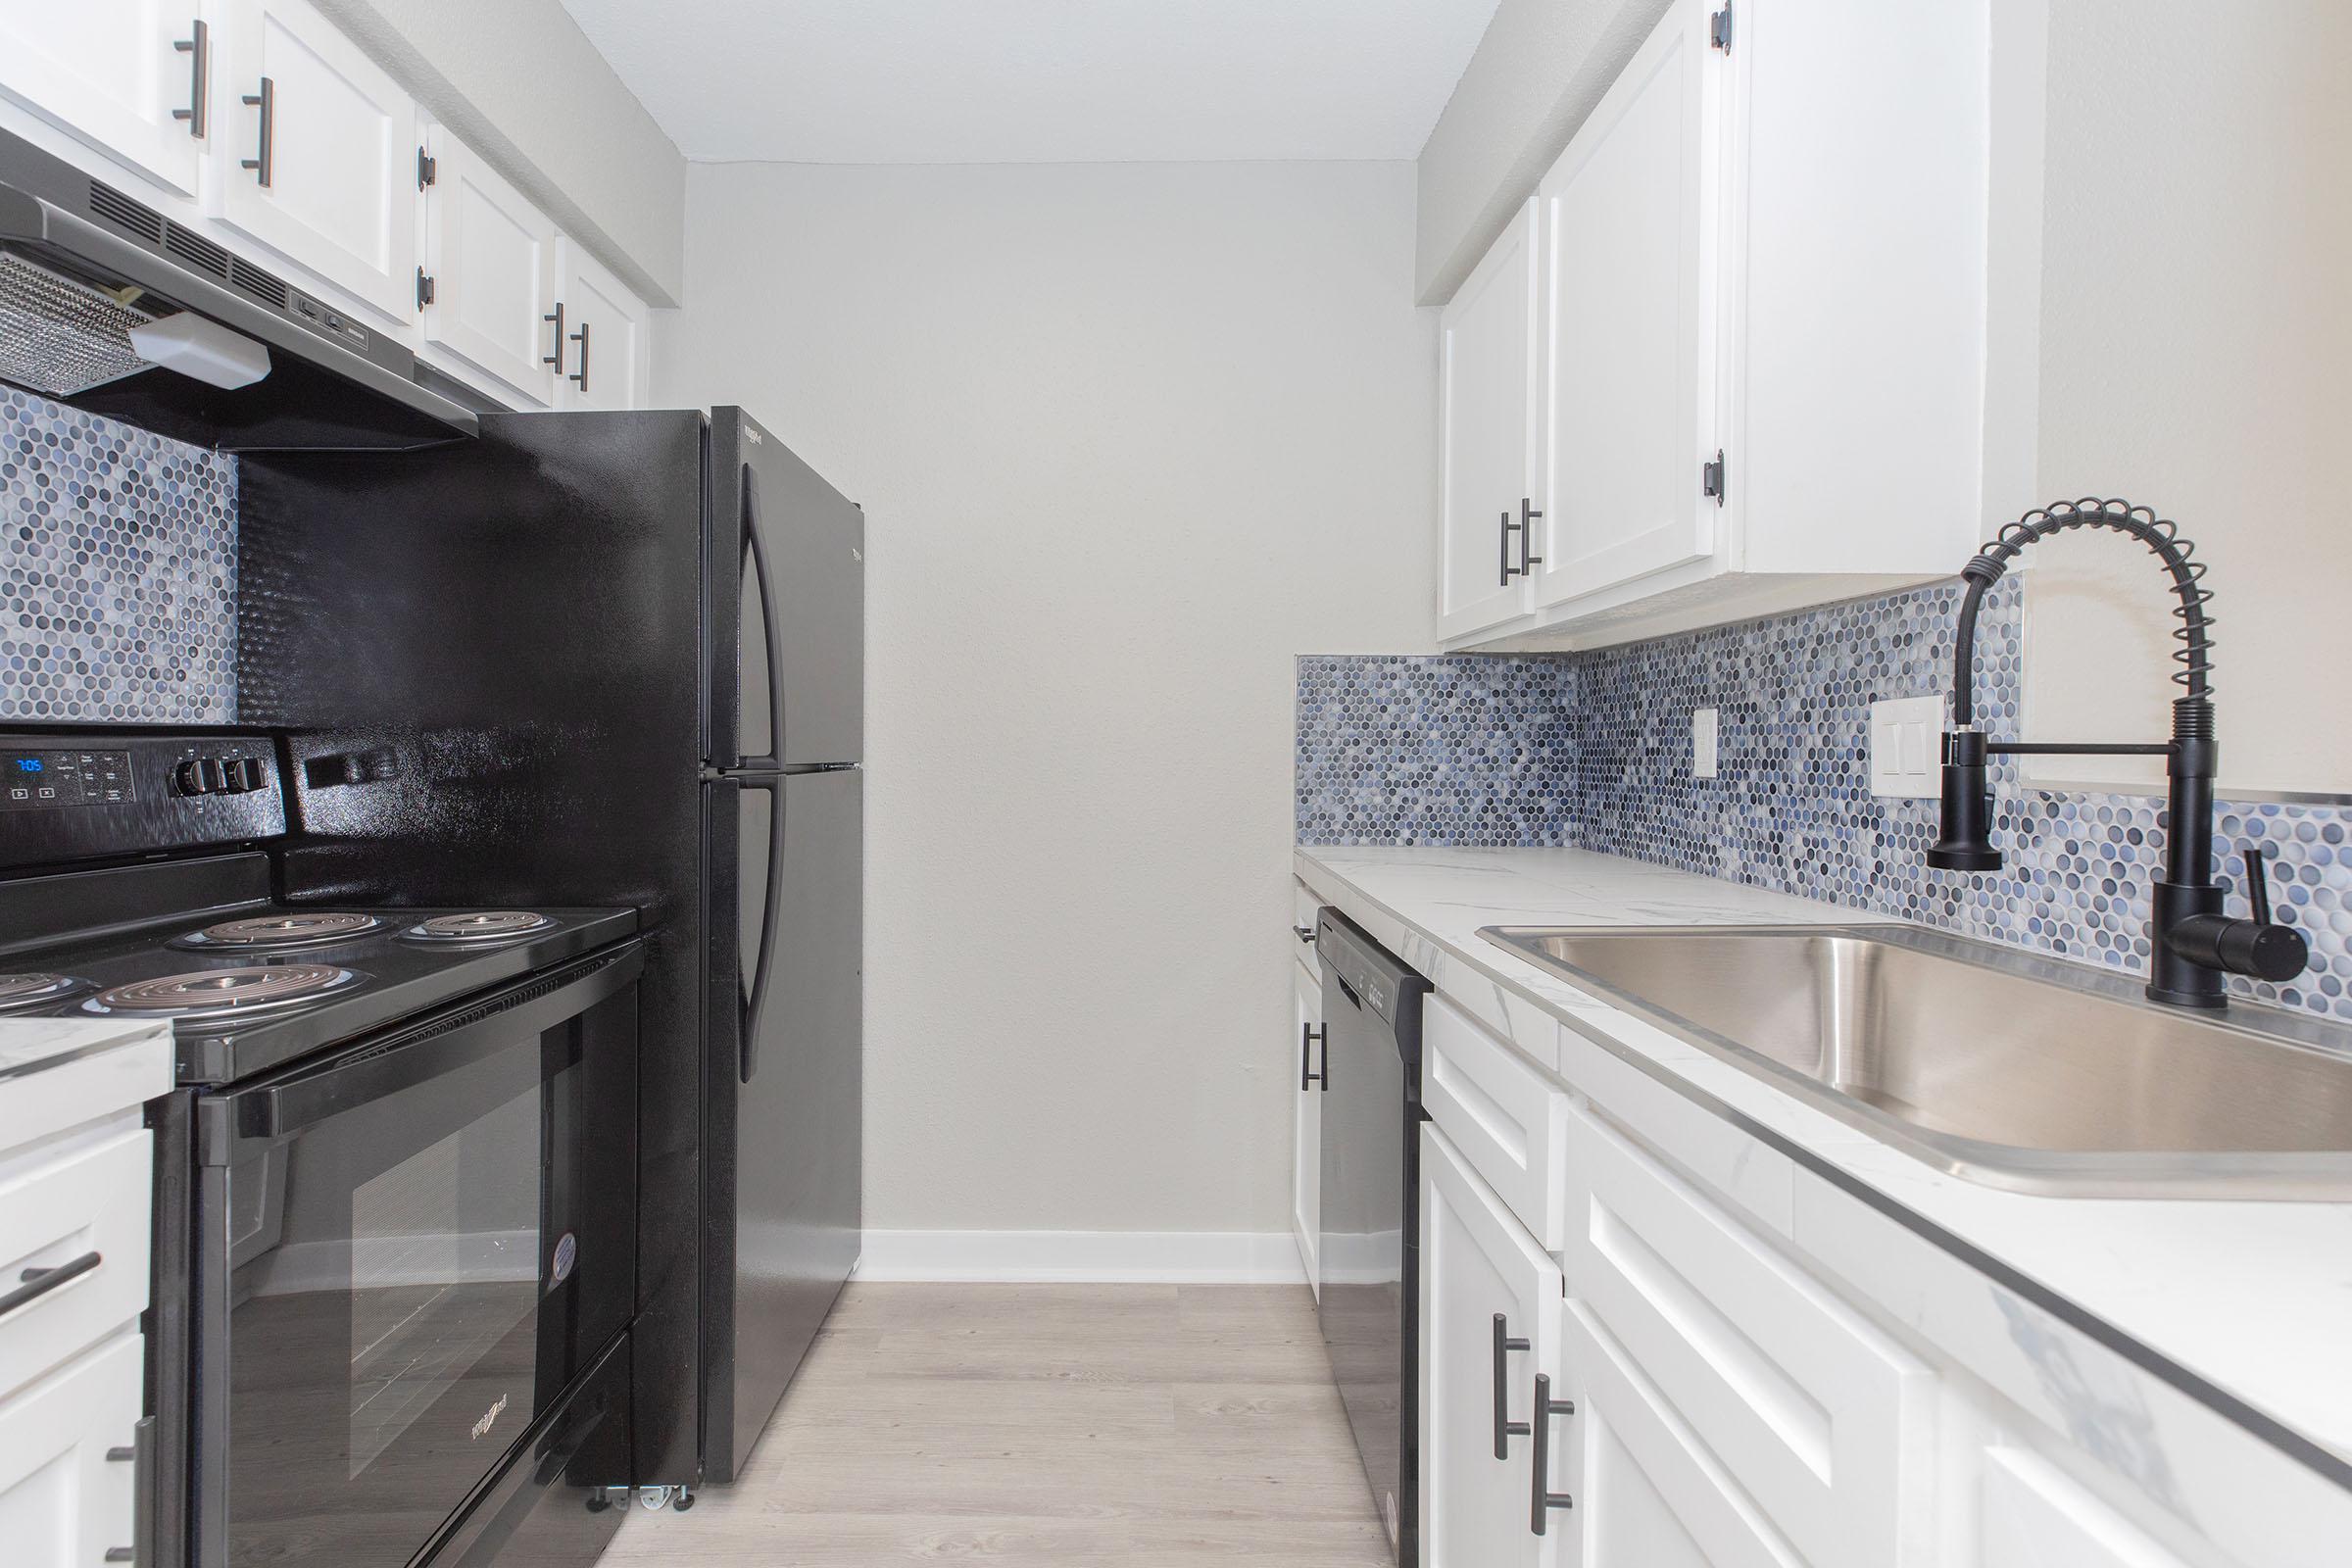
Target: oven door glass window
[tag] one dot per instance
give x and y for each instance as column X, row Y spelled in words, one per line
column 414, row 1272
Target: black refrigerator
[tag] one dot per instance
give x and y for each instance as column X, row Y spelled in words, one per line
column 596, row 659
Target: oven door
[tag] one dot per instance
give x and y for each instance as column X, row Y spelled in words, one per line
column 406, row 1251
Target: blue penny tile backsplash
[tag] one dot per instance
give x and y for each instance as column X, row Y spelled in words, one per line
column 118, row 572
column 1790, row 807
column 1458, row 751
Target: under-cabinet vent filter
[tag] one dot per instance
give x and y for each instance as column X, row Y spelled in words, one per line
column 59, row 337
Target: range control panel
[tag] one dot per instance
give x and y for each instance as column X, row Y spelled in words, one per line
column 37, row 780
column 74, row 797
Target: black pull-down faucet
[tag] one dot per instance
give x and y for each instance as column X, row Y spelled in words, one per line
column 2194, row 947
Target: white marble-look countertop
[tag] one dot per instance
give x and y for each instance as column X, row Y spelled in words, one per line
column 2251, row 1298
column 61, row 1073
column 35, row 1045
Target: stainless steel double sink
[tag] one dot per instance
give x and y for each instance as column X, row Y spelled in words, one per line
column 1995, row 1065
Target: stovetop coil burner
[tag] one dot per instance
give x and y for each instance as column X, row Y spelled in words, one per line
column 264, row 932
column 33, row 990
column 211, row 993
column 493, row 925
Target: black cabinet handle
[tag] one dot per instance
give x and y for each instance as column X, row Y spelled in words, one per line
column 1541, row 1499
column 267, row 102
column 1505, row 1429
column 198, row 47
column 581, row 374
column 1305, row 934
column 1525, row 528
column 1504, row 549
column 556, row 359
column 1310, row 1035
column 39, row 1282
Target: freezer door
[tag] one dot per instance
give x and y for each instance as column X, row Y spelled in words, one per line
column 785, row 1076
column 786, row 612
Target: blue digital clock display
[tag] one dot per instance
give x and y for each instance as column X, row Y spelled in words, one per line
column 29, row 764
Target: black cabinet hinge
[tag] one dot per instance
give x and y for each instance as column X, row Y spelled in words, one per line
column 428, row 168
column 1719, row 29
column 1711, row 478
column 424, row 288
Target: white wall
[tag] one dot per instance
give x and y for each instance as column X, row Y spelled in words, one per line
column 1536, row 74
column 2196, row 356
column 521, row 83
column 1128, row 437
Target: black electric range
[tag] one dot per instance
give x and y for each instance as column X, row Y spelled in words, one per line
column 396, row 1239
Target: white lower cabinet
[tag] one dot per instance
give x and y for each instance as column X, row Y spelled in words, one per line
column 1490, row 1328
column 1825, row 1425
column 1647, row 1492
column 68, row 1478
column 1307, row 1119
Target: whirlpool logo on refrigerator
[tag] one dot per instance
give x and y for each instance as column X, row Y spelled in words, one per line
column 490, row 1417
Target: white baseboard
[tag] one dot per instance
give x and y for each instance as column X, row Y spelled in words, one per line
column 1152, row 1257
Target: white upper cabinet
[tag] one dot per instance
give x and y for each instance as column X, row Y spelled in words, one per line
column 1486, row 396
column 606, row 348
column 127, row 77
column 317, row 153
column 491, row 272
column 1762, row 320
column 1628, row 288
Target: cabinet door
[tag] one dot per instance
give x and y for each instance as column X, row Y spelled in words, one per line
column 66, row 1481
column 606, row 337
column 490, row 257
column 1629, row 304
column 1489, row 1323
column 333, row 144
column 2033, row 1515
column 125, row 76
column 1645, row 1492
column 1486, row 397
column 1307, row 1121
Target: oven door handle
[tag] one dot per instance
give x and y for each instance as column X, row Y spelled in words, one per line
column 428, row 1049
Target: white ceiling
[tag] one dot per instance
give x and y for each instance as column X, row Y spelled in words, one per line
column 967, row 81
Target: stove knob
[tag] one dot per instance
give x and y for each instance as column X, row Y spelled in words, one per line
column 216, row 777
column 252, row 776
column 189, row 778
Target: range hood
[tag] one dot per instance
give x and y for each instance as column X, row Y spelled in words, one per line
column 85, row 270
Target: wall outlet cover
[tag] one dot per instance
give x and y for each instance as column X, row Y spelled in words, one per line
column 1703, row 731
column 1906, row 742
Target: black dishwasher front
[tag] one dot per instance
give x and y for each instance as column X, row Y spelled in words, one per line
column 1370, row 1252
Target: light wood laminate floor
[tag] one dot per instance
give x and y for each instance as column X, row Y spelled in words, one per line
column 1156, row 1425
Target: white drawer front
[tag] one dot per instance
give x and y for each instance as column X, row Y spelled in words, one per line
column 1510, row 1124
column 64, row 1501
column 93, row 1200
column 1824, row 1421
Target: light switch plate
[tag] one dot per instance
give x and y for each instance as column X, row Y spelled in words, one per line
column 1906, row 740
column 1702, row 743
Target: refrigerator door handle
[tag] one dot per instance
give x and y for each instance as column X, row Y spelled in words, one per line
column 754, row 1002
column 758, row 554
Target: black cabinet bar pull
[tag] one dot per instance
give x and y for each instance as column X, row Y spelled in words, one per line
column 1305, row 934
column 556, row 359
column 1505, row 549
column 267, row 102
column 39, row 1282
column 199, row 49
column 1527, row 517
column 1541, row 1498
column 1505, row 1429
column 1310, row 1035
column 581, row 374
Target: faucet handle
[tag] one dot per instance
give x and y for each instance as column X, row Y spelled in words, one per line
column 2258, row 883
